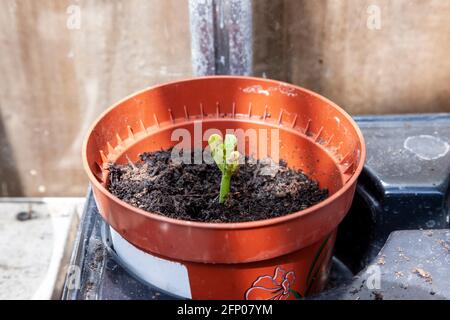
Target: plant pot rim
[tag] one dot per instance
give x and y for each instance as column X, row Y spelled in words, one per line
column 224, row 225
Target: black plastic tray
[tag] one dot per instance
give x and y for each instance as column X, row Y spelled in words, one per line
column 404, row 186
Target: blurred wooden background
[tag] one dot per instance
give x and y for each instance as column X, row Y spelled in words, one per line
column 55, row 78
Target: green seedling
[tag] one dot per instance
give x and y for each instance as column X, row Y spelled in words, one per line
column 226, row 157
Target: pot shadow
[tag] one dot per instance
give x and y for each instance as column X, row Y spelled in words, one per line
column 10, row 182
column 354, row 243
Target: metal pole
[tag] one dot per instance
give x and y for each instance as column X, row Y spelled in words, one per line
column 221, row 36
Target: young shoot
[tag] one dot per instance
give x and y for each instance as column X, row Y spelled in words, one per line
column 226, row 157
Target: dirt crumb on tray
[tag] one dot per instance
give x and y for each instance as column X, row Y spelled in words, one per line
column 190, row 191
column 423, row 274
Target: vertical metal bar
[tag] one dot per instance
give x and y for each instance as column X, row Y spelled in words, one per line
column 202, row 37
column 221, row 36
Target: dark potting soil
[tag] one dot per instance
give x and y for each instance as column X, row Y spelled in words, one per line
column 190, row 191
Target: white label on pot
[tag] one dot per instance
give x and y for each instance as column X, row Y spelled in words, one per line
column 167, row 275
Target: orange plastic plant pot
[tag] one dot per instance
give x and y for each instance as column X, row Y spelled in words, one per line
column 281, row 258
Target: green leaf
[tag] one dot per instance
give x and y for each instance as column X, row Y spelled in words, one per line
column 313, row 278
column 296, row 294
column 214, row 140
column 316, row 257
column 230, row 143
column 219, row 156
column 227, row 159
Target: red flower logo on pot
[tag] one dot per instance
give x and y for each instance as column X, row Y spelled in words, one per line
column 277, row 287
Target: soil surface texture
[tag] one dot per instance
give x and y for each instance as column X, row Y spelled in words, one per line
column 191, row 191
